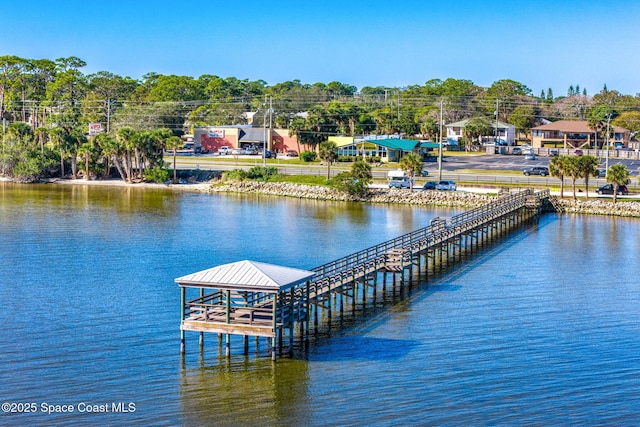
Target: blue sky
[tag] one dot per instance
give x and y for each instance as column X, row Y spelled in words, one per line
column 364, row 43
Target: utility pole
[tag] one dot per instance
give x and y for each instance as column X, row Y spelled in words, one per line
column 497, row 104
column 264, row 137
column 440, row 150
column 606, row 165
column 108, row 114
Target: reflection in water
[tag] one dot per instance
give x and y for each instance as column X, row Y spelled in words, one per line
column 78, row 198
column 245, row 391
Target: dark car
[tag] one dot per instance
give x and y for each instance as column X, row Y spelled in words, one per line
column 429, row 185
column 292, row 153
column 536, row 170
column 608, row 189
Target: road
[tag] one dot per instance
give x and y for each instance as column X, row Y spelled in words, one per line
column 476, row 170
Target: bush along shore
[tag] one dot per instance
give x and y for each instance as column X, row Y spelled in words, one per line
column 459, row 199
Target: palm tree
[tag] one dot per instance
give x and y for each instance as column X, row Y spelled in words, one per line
column 476, row 127
column 112, row 149
column 589, row 167
column 558, row 170
column 173, row 143
column 85, row 151
column 573, row 169
column 126, row 137
column 328, row 153
column 617, row 175
column 411, row 163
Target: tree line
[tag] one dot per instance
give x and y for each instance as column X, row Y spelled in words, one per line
column 58, row 102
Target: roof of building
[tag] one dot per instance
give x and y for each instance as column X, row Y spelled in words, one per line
column 463, row 123
column 252, row 135
column 246, row 275
column 396, row 143
column 573, row 126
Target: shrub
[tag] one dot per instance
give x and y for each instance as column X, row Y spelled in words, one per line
column 156, row 174
column 350, row 183
column 262, row 173
column 236, row 174
column 308, row 156
column 345, row 159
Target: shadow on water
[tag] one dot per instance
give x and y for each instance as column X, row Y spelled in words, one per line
column 344, row 338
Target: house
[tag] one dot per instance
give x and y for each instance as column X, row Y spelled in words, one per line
column 388, row 149
column 506, row 132
column 574, row 134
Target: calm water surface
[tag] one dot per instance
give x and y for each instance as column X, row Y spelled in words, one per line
column 542, row 329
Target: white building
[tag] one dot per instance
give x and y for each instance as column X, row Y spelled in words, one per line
column 506, row 132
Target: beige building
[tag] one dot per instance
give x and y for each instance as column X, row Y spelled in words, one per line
column 575, row 134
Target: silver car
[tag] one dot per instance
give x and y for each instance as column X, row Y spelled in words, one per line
column 446, row 185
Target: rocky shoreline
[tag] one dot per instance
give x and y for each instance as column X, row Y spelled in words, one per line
column 423, row 198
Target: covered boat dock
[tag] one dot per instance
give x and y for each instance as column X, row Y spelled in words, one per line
column 243, row 298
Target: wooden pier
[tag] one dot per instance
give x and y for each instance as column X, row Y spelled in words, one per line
column 264, row 300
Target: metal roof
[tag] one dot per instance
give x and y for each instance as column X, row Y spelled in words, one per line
column 247, row 275
column 463, row 123
column 396, row 143
column 252, row 135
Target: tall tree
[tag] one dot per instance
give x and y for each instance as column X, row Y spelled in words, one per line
column 617, row 175
column 558, row 168
column 588, row 166
column 476, row 127
column 411, row 163
column 173, row 143
column 329, row 154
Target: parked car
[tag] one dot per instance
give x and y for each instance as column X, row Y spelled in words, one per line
column 516, row 151
column 199, row 150
column 530, row 156
column 251, row 151
column 430, row 185
column 577, row 153
column 224, row 150
column 269, row 154
column 608, row 189
column 237, row 151
column 553, row 152
column 292, row 153
column 536, row 170
column 602, row 173
column 424, row 172
column 446, row 185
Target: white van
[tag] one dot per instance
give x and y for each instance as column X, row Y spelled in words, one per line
column 398, row 179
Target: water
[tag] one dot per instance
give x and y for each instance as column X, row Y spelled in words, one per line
column 543, row 329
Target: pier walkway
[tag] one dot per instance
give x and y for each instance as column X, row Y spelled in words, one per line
column 263, row 300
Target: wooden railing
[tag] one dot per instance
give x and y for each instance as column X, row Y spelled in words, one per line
column 470, row 218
